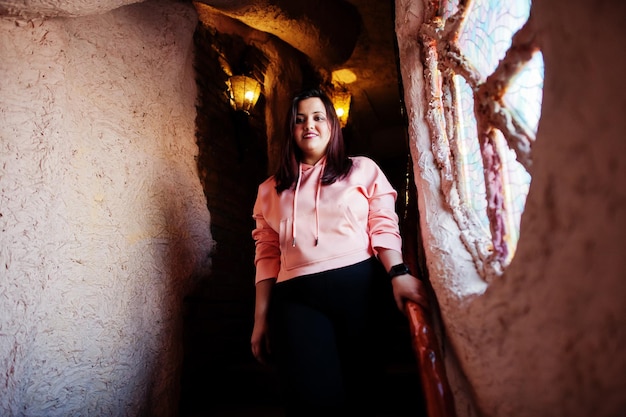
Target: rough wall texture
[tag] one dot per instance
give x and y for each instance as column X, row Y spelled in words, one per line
column 29, row 9
column 102, row 216
column 547, row 338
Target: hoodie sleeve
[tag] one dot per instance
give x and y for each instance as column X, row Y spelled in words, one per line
column 382, row 221
column 267, row 247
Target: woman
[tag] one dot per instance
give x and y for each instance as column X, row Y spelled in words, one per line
column 325, row 228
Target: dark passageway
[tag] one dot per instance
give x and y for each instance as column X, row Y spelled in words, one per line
column 220, row 375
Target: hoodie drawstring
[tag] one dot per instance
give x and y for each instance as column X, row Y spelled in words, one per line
column 317, row 199
column 295, row 205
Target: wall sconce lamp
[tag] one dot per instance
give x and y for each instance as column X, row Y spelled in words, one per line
column 341, row 102
column 243, row 92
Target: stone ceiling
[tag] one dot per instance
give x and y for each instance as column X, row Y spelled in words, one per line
column 357, row 35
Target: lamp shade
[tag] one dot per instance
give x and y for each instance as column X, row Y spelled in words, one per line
column 244, row 92
column 341, row 102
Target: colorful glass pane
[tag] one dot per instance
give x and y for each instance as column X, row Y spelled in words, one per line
column 470, row 175
column 525, row 92
column 488, row 29
column 516, row 184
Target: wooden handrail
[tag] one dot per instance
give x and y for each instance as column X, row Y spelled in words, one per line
column 437, row 394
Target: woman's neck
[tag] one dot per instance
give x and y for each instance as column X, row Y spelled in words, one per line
column 311, row 161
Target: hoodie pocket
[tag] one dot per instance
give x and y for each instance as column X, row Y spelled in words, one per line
column 340, row 234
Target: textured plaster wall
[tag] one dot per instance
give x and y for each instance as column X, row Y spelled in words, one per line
column 547, row 338
column 103, row 220
column 29, row 9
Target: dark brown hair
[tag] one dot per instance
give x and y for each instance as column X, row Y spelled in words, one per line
column 338, row 165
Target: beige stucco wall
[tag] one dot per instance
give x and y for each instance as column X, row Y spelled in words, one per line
column 548, row 337
column 103, row 221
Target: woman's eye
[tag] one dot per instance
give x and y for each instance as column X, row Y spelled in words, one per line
column 299, row 120
column 320, row 118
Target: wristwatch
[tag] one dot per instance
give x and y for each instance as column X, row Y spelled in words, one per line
column 399, row 269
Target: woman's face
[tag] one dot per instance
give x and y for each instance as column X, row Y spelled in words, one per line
column 312, row 129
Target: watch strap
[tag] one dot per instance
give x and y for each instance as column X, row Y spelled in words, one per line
column 399, row 269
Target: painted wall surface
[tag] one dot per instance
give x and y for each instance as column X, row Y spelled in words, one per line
column 547, row 338
column 103, row 221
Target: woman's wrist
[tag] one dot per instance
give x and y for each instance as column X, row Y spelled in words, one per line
column 398, row 269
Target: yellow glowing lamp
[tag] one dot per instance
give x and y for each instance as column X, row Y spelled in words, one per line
column 341, row 103
column 243, row 92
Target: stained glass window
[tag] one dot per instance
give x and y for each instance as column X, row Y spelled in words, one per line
column 481, row 50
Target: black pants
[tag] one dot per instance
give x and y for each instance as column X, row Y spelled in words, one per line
column 325, row 335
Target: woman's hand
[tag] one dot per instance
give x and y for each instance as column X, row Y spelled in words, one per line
column 407, row 287
column 260, row 341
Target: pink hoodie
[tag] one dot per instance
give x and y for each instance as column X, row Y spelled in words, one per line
column 334, row 226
